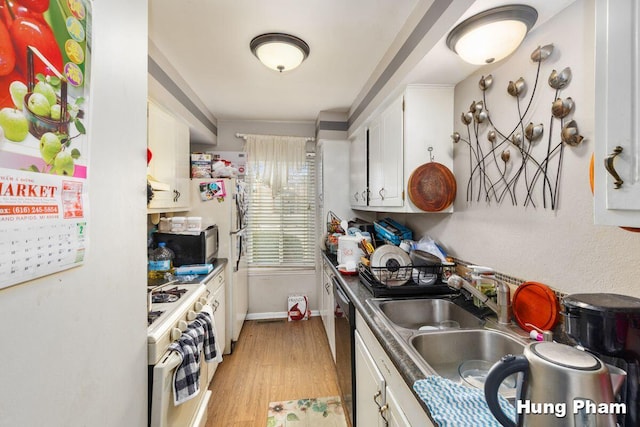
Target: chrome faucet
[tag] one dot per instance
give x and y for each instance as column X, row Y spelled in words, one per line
column 503, row 306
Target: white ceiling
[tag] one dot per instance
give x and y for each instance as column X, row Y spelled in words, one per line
column 207, row 42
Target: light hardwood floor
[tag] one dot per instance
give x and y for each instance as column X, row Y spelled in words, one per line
column 272, row 361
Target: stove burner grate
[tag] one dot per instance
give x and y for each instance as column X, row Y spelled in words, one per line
column 152, row 316
column 164, row 297
column 167, row 295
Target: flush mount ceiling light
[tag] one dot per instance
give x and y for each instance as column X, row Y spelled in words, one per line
column 278, row 51
column 493, row 34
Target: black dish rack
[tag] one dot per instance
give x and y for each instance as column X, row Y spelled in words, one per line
column 385, row 282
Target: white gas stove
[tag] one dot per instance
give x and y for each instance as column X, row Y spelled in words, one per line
column 172, row 307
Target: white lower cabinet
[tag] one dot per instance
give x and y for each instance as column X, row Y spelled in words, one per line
column 380, row 388
column 370, row 387
column 327, row 308
column 216, row 286
column 394, row 416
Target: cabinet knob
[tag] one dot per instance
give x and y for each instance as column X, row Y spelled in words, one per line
column 355, row 196
column 381, row 193
column 608, row 165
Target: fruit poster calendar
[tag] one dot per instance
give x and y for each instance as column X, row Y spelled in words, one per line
column 44, row 89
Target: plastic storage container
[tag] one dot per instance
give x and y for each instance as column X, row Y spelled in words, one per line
column 194, row 223
column 164, row 225
column 178, row 223
column 160, row 261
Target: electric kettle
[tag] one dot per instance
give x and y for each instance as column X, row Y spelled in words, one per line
column 558, row 386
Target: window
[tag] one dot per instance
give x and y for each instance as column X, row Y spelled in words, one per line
column 281, row 226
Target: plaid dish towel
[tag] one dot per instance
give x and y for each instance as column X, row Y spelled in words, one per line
column 456, row 405
column 198, row 337
column 213, row 346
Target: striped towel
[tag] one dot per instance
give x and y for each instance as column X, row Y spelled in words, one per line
column 198, row 337
column 456, row 405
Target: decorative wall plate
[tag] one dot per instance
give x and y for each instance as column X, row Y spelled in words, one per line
column 432, row 187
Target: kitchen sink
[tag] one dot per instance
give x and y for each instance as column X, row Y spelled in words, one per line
column 425, row 314
column 446, row 352
column 445, row 339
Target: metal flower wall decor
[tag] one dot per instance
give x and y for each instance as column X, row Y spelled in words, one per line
column 503, row 162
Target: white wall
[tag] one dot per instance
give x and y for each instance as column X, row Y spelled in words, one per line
column 74, row 343
column 269, row 291
column 227, row 130
column 199, row 133
column 561, row 248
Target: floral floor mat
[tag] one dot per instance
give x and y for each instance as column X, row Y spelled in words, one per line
column 317, row 412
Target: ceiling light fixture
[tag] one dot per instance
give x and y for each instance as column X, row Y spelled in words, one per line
column 493, row 34
column 278, row 51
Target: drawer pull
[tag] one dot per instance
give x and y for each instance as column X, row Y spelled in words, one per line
column 608, row 165
column 375, row 399
column 383, row 410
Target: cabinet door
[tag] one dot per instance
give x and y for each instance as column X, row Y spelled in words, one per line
column 617, row 112
column 392, row 147
column 182, row 165
column 375, row 155
column 168, row 140
column 358, row 169
column 219, row 315
column 370, row 387
column 330, row 312
column 218, row 303
column 385, row 157
column 392, row 412
column 327, row 307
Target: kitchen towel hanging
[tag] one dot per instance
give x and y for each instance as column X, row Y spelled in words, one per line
column 198, row 337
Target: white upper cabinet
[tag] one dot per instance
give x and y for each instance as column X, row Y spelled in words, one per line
column 617, row 113
column 385, row 157
column 168, row 140
column 413, row 129
column 358, row 169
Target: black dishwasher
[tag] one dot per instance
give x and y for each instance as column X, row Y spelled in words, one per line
column 345, row 325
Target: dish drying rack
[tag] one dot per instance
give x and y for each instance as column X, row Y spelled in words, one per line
column 399, row 281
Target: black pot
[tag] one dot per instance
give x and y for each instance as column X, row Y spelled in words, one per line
column 604, row 323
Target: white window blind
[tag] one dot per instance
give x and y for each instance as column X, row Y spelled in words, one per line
column 281, row 226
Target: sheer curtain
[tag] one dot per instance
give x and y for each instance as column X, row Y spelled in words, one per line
column 271, row 157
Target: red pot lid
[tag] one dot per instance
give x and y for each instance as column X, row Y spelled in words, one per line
column 535, row 304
